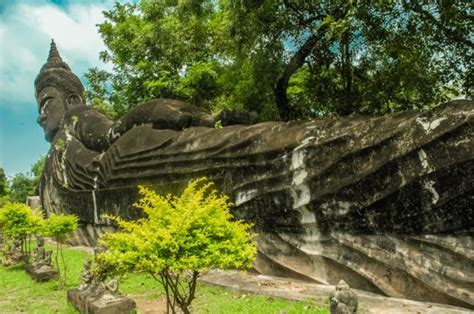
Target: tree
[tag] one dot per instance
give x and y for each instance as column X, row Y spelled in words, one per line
column 19, row 222
column 59, row 227
column 22, row 186
column 26, row 184
column 287, row 59
column 4, row 188
column 179, row 238
column 37, row 170
column 3, row 183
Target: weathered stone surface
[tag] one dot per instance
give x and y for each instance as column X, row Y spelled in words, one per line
column 33, row 201
column 384, row 202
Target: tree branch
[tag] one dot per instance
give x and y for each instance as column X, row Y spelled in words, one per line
column 452, row 34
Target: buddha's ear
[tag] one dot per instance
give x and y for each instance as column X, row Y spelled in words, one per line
column 73, row 100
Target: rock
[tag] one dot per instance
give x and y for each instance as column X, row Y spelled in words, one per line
column 343, row 300
column 43, row 273
column 384, row 202
column 91, row 302
column 33, row 201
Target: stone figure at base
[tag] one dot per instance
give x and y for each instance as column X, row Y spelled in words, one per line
column 39, row 253
column 379, row 201
column 86, row 275
column 99, row 296
column 343, row 300
column 15, row 254
column 41, row 269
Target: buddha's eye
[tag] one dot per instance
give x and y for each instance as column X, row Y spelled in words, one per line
column 44, row 103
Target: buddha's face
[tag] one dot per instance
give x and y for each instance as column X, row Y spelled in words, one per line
column 51, row 108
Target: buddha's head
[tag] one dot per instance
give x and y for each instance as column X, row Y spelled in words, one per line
column 57, row 90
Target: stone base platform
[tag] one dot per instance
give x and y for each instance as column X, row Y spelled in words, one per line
column 42, row 274
column 87, row 302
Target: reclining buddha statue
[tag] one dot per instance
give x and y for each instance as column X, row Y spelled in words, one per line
column 385, row 203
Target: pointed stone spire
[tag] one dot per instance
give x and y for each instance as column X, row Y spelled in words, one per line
column 54, row 59
column 57, row 73
column 54, row 53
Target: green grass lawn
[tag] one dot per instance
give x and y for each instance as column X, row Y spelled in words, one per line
column 20, row 294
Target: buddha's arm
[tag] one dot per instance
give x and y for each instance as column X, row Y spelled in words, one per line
column 163, row 114
column 91, row 127
column 176, row 115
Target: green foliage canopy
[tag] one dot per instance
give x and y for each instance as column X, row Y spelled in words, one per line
column 3, row 183
column 18, row 221
column 60, row 226
column 286, row 59
column 22, row 186
column 26, row 184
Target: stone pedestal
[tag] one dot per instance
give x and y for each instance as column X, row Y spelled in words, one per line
column 78, row 299
column 88, row 302
column 119, row 305
column 42, row 274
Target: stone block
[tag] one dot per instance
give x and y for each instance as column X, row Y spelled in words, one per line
column 42, row 274
column 119, row 305
column 87, row 302
column 33, row 201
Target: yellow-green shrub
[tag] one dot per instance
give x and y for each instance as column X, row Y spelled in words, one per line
column 179, row 237
column 18, row 221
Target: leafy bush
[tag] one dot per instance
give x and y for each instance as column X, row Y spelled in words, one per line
column 180, row 238
column 18, row 221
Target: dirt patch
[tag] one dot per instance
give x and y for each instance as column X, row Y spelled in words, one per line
column 157, row 306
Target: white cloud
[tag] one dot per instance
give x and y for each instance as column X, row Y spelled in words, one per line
column 25, row 33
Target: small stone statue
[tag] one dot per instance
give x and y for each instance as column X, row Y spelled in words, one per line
column 39, row 253
column 343, row 300
column 42, row 257
column 110, row 290
column 96, row 295
column 48, row 258
column 86, row 275
column 15, row 255
column 41, row 269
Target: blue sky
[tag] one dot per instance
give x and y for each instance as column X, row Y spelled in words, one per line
column 26, row 29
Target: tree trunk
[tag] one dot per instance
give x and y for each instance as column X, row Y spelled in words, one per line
column 281, row 97
column 346, row 106
column 296, row 62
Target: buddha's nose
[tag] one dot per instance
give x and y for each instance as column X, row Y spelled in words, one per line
column 40, row 120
